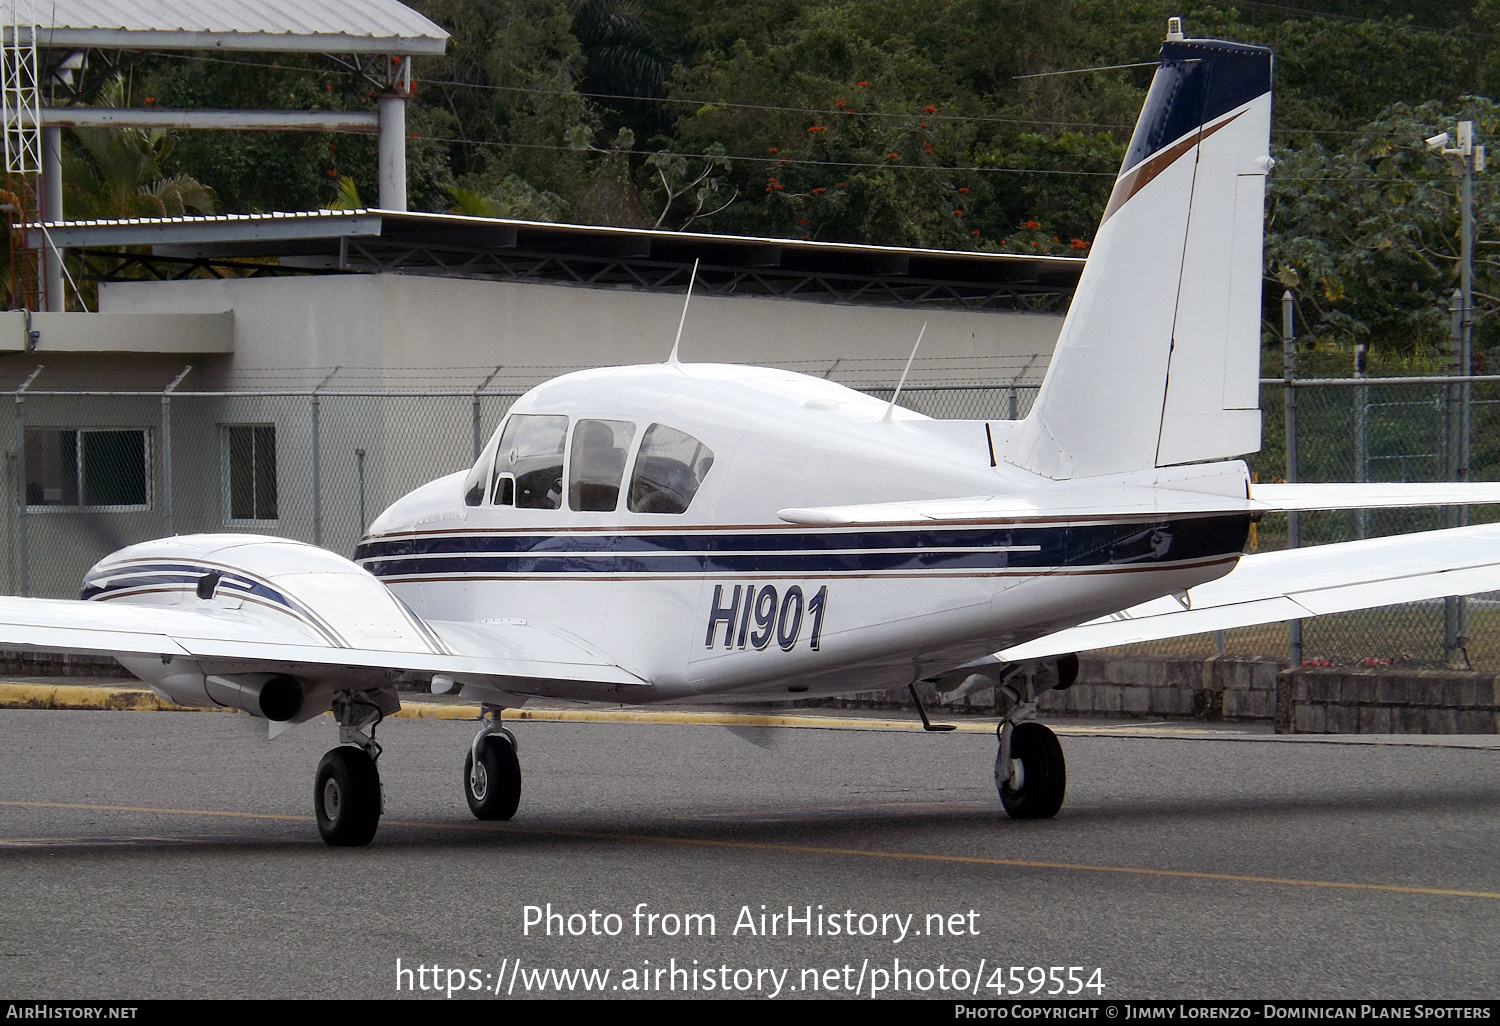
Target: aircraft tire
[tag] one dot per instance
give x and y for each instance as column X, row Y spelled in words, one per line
column 346, row 797
column 1044, row 773
column 493, row 788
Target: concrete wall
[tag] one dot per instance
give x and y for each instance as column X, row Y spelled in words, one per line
column 1246, row 689
column 405, row 331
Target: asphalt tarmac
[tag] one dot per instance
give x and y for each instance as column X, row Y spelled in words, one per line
column 150, row 855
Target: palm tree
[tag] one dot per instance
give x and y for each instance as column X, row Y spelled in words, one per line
column 120, row 172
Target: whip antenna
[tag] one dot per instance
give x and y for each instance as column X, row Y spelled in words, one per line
column 683, row 320
column 891, row 409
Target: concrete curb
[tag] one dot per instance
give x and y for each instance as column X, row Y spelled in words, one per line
column 82, row 696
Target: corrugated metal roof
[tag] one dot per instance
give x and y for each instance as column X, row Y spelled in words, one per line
column 304, row 26
column 231, row 229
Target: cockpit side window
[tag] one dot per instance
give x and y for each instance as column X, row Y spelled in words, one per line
column 531, row 454
column 668, row 470
column 597, row 464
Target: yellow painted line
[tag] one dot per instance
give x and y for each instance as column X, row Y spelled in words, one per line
column 808, row 849
column 156, row 811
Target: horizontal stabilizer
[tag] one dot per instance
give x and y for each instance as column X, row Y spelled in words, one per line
column 1085, row 500
column 1274, row 586
column 1283, row 497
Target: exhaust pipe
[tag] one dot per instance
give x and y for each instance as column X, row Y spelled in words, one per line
column 276, row 696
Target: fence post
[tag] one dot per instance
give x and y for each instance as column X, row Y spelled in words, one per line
column 317, row 475
column 474, row 412
column 1361, row 433
column 1293, row 518
column 166, row 452
column 359, row 459
column 23, row 553
column 1455, row 608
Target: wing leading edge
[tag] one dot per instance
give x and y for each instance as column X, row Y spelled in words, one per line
column 511, row 654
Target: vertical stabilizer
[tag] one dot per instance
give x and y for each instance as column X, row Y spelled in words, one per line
column 1158, row 359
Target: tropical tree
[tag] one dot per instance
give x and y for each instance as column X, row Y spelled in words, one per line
column 121, row 172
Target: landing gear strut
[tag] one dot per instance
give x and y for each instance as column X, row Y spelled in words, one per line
column 346, row 791
column 1030, row 772
column 492, row 773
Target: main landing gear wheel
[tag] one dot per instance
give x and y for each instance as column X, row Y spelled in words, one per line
column 1032, row 786
column 346, row 795
column 493, row 783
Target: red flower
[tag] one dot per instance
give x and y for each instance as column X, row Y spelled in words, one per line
column 805, row 220
column 772, row 149
column 1078, row 244
column 332, row 173
column 964, row 188
column 818, row 190
column 930, row 110
column 839, row 102
column 328, row 86
column 817, row 128
column 892, row 155
column 974, row 232
column 1033, row 225
column 924, row 124
column 150, row 99
column 841, row 185
column 958, row 213
column 861, row 83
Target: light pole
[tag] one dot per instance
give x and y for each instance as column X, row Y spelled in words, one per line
column 1467, row 158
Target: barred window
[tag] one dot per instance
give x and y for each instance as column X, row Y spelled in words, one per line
column 71, row 467
column 250, row 471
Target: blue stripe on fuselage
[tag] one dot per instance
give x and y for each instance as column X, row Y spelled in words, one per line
column 811, row 552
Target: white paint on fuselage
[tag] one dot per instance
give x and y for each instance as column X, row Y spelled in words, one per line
column 779, row 440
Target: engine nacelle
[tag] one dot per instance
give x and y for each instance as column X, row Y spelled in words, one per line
column 272, row 696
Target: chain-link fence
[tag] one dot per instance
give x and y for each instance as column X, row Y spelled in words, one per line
column 88, row 473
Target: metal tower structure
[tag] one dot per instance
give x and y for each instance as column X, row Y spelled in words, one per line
column 20, row 92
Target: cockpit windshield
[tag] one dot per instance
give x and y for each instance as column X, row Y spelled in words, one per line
column 531, row 453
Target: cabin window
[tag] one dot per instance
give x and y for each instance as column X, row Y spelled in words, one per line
column 670, row 467
column 531, row 455
column 97, row 469
column 597, row 464
column 250, row 471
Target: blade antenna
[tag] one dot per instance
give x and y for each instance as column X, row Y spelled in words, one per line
column 683, row 320
column 891, row 409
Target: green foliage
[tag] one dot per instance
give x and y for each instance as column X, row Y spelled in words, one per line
column 938, row 123
column 122, row 172
column 514, row 197
column 1368, row 235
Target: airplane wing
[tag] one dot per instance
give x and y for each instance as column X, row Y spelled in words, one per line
column 1273, row 586
column 1094, row 500
column 512, row 654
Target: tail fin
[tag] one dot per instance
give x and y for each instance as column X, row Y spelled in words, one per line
column 1158, row 360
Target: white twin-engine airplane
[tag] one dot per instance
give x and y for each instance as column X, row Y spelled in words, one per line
column 705, row 533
